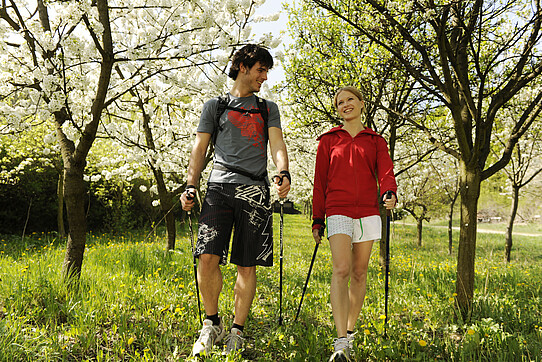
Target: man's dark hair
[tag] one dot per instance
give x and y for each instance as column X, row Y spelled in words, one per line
column 248, row 56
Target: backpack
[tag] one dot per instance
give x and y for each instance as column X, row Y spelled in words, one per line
column 223, row 104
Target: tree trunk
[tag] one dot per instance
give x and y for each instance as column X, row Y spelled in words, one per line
column 74, row 194
column 419, row 229
column 470, row 180
column 74, row 155
column 513, row 213
column 60, row 212
column 166, row 204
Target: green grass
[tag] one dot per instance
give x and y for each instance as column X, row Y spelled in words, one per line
column 137, row 303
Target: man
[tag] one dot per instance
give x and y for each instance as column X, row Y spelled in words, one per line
column 237, row 193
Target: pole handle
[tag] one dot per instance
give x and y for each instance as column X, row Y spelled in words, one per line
column 387, row 195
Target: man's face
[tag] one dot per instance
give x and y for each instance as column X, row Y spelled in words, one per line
column 255, row 76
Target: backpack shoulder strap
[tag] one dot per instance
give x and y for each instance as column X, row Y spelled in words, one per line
column 223, row 102
column 262, row 106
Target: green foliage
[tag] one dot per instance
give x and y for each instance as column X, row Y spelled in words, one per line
column 28, row 183
column 136, row 302
column 115, row 207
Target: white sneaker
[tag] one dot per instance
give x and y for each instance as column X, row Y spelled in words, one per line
column 234, row 341
column 341, row 350
column 209, row 335
column 350, row 337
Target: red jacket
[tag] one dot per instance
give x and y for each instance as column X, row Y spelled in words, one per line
column 346, row 172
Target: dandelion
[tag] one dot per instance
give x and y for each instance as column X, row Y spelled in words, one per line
column 471, row 332
column 367, row 332
column 382, row 316
column 422, row 343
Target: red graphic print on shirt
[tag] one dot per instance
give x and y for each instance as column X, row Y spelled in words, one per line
column 251, row 126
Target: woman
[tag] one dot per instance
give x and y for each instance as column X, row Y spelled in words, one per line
column 349, row 161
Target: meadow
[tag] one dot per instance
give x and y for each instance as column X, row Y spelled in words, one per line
column 136, row 302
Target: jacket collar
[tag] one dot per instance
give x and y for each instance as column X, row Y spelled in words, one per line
column 343, row 133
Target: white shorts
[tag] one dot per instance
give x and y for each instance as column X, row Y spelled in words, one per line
column 364, row 229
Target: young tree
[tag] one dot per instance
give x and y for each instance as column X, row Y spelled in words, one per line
column 416, row 197
column 421, row 193
column 523, row 168
column 473, row 57
column 446, row 173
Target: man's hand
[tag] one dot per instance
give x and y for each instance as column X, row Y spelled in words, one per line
column 187, row 198
column 282, row 183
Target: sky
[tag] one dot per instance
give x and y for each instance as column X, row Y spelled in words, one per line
column 276, row 74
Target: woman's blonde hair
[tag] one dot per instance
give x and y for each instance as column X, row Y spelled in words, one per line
column 352, row 90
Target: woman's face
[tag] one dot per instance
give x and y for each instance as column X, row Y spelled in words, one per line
column 349, row 106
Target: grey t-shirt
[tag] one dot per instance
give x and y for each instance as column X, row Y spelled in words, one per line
column 241, row 142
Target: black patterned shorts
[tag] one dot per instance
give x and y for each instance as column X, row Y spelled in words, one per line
column 246, row 210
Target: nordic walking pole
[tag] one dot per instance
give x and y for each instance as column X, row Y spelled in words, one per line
column 190, row 196
column 321, row 233
column 281, row 254
column 281, row 201
column 386, row 286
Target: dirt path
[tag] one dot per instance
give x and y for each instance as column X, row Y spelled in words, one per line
column 479, row 230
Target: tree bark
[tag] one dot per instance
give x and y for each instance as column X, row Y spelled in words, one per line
column 470, row 181
column 509, row 229
column 419, row 229
column 74, row 194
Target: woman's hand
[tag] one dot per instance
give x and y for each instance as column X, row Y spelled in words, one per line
column 317, row 235
column 389, row 202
